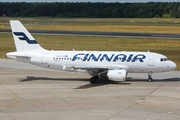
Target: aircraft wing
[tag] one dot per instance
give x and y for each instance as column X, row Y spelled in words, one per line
column 94, row 68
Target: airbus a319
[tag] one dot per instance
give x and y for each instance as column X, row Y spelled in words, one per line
column 113, row 65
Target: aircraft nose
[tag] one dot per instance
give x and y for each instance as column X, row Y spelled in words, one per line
column 173, row 65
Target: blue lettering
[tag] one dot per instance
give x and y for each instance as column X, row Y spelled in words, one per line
column 75, row 57
column 99, row 56
column 85, row 57
column 123, row 58
column 107, row 58
column 94, row 57
column 140, row 59
column 129, row 58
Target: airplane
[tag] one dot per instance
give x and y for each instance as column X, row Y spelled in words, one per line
column 113, row 65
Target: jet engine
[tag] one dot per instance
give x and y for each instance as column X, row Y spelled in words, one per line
column 117, row 75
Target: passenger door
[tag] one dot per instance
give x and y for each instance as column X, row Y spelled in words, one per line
column 151, row 60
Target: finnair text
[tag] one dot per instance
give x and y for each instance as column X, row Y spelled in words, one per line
column 109, row 58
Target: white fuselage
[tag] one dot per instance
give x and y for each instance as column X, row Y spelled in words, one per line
column 135, row 62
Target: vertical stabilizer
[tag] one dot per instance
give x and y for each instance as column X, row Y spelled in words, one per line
column 22, row 38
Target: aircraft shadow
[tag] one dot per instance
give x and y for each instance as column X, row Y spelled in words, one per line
column 31, row 78
column 129, row 79
column 100, row 81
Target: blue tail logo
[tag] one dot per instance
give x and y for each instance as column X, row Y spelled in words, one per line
column 24, row 37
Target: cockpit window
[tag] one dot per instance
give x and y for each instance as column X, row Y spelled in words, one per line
column 164, row 59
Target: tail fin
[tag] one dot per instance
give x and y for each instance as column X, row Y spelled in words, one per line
column 22, row 38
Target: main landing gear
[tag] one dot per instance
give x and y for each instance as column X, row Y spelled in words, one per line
column 150, row 77
column 93, row 79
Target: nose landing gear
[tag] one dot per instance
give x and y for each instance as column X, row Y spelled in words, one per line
column 150, row 77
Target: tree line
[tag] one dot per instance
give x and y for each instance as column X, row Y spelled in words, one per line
column 91, row 10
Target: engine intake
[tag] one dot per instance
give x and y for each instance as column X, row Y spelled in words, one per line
column 117, row 75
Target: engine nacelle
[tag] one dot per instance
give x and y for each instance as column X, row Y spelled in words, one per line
column 117, row 75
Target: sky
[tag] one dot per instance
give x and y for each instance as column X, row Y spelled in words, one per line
column 106, row 1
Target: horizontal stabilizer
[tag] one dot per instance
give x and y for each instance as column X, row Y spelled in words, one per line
column 17, row 54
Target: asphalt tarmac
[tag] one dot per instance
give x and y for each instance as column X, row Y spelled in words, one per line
column 29, row 92
column 86, row 33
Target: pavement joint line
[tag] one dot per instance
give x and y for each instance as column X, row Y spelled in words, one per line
column 50, row 97
column 139, row 101
column 100, row 104
column 15, row 100
column 13, row 104
column 152, row 92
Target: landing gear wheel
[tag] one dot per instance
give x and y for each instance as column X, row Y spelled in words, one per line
column 150, row 79
column 93, row 79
